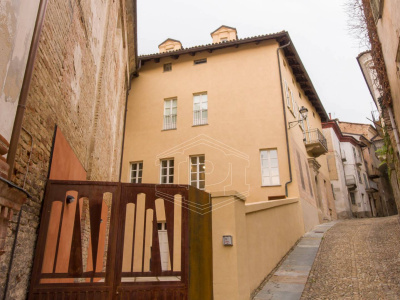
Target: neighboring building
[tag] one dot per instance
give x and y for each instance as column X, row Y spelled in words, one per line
column 65, row 69
column 386, row 128
column 382, row 20
column 339, row 179
column 378, row 185
column 226, row 117
column 347, row 168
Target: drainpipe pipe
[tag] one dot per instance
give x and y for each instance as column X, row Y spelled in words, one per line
column 284, row 119
column 25, row 86
column 123, row 131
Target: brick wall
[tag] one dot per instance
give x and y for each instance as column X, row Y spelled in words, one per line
column 79, row 84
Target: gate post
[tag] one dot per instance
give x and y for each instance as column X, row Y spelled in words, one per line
column 200, row 245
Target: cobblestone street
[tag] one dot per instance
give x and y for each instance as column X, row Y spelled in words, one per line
column 357, row 259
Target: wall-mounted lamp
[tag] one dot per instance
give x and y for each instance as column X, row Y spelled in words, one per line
column 70, row 199
column 303, row 112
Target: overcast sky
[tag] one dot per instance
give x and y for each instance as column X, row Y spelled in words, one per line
column 318, row 29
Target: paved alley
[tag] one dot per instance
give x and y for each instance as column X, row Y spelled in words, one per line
column 357, row 259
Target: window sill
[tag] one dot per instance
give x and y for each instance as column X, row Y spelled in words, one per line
column 200, row 125
column 168, row 129
column 263, row 186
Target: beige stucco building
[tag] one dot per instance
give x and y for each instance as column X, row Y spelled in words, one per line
column 225, row 118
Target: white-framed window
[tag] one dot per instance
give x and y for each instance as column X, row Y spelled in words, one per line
column 136, row 172
column 197, row 171
column 200, row 109
column 167, row 171
column 269, row 167
column 366, row 180
column 287, row 93
column 295, row 109
column 293, row 103
column 170, row 111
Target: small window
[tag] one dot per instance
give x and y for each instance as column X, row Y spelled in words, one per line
column 167, row 171
column 299, row 95
column 200, row 61
column 366, row 180
column 136, row 172
column 359, row 176
column 200, row 109
column 198, row 172
column 269, row 167
column 167, row 67
column 224, row 39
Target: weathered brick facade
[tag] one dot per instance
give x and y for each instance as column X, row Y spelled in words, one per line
column 79, row 83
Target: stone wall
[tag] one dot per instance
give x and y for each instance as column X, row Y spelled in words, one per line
column 79, row 84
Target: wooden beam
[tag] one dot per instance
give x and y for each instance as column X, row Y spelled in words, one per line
column 192, row 53
column 174, row 56
column 156, row 60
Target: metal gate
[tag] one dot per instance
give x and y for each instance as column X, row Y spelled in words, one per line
column 100, row 240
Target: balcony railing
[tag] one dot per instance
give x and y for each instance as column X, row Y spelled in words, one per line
column 315, row 142
column 351, row 182
column 169, row 122
column 200, row 117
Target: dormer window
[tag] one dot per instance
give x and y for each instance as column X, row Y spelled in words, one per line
column 224, row 34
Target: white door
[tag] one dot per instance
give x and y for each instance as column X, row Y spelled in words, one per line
column 164, row 249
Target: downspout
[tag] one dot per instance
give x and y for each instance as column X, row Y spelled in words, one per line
column 25, row 86
column 123, row 132
column 284, row 119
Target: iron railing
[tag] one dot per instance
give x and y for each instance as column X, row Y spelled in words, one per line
column 200, row 117
column 169, row 122
column 313, row 136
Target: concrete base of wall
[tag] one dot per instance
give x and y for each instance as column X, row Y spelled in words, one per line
column 344, row 215
column 363, row 214
column 310, row 215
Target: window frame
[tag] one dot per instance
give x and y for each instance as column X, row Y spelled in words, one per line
column 171, row 124
column 198, row 164
column 269, row 167
column 167, row 67
column 168, row 168
column 138, row 169
column 201, row 110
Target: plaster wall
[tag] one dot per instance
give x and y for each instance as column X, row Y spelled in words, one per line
column 17, row 21
column 389, row 35
column 239, row 269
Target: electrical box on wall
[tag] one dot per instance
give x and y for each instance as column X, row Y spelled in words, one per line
column 227, row 240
